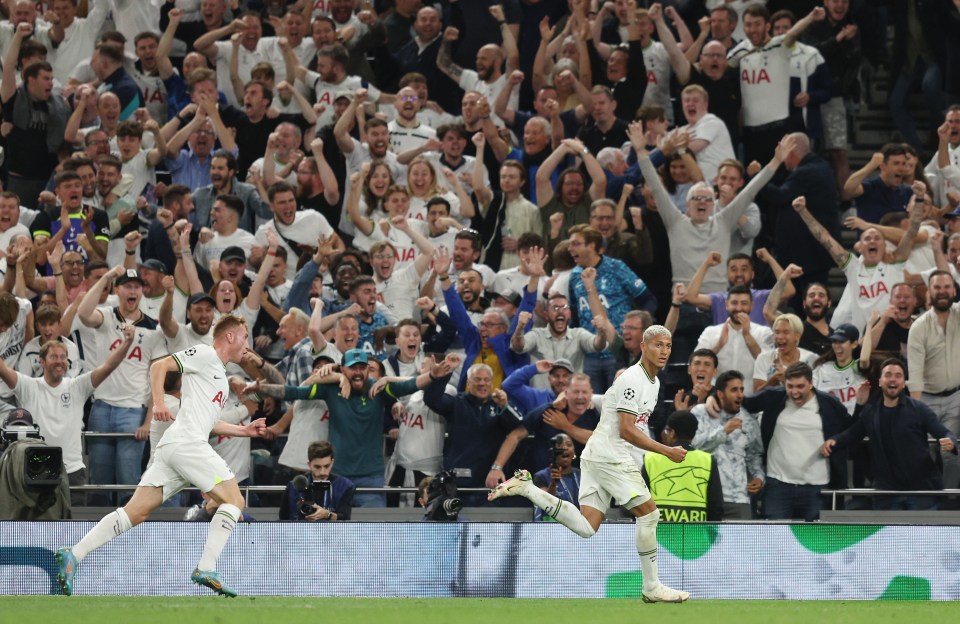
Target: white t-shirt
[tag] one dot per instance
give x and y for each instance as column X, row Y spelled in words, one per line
column 58, row 411
column 311, row 422
column 719, row 148
column 246, row 61
column 29, row 363
column 421, row 434
column 327, row 93
column 470, row 81
column 633, row 392
column 11, row 341
column 306, row 229
column 203, row 253
column 794, row 452
column 205, row 392
column 841, row 383
column 234, row 450
column 764, row 80
column 403, row 138
column 764, row 369
column 735, row 355
column 400, row 291
column 657, row 62
column 78, row 40
column 129, row 384
column 154, row 93
column 151, row 305
column 867, row 289
column 141, row 172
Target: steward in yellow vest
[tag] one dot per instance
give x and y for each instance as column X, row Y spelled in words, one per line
column 689, row 491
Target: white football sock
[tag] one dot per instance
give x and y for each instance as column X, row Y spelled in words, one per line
column 222, row 525
column 109, row 527
column 563, row 512
column 646, row 537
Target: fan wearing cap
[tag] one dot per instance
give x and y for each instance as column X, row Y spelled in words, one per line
column 56, row 399
column 120, row 399
column 522, row 392
column 152, row 273
column 356, row 407
column 298, row 230
column 16, row 330
column 201, row 309
column 224, row 231
column 837, row 373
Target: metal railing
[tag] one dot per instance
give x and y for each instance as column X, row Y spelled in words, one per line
column 871, row 492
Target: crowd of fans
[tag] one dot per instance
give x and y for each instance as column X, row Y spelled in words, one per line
column 490, row 201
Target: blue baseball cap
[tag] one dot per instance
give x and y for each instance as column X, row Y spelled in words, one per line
column 354, row 356
column 845, row 333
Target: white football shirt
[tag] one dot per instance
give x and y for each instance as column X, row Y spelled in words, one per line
column 205, row 392
column 635, row 393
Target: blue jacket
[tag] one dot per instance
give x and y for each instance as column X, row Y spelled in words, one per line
column 470, row 336
column 475, row 430
column 339, row 499
column 517, row 387
column 834, row 415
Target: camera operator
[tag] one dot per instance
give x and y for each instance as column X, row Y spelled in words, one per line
column 560, row 478
column 439, row 497
column 330, row 503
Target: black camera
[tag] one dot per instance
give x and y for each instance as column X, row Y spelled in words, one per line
column 443, row 500
column 557, row 450
column 311, row 494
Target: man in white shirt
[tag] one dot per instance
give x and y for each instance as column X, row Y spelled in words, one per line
column 119, row 402
column 709, row 138
column 737, row 341
column 870, row 280
column 764, row 64
column 490, row 77
column 296, row 228
column 224, row 231
column 608, row 468
column 56, row 401
column 770, row 365
column 331, row 78
column 399, row 289
column 796, row 420
column 79, row 34
column 184, row 456
column 407, row 131
column 218, row 51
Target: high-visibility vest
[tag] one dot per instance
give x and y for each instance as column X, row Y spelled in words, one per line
column 680, row 490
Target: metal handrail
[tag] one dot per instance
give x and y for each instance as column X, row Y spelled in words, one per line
column 872, row 492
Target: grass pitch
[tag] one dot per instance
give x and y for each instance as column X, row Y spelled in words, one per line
column 250, row 610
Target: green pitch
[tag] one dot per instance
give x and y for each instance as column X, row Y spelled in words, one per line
column 250, row 610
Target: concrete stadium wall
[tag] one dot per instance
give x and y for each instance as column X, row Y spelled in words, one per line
column 731, row 561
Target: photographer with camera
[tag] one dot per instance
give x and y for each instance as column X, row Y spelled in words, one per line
column 560, row 478
column 319, row 494
column 439, row 497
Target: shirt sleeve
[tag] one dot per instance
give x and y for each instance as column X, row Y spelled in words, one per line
column 627, row 399
column 194, row 359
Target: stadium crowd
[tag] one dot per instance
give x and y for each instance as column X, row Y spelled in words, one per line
column 449, row 223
